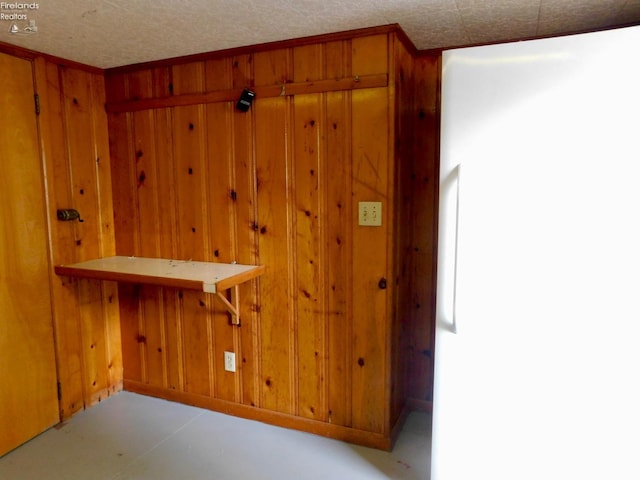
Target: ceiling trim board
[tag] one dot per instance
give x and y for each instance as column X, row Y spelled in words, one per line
column 28, row 54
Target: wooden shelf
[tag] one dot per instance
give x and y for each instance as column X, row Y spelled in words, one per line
column 205, row 276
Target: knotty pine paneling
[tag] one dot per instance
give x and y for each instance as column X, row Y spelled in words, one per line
column 405, row 208
column 320, row 347
column 76, row 161
column 276, row 245
column 425, row 180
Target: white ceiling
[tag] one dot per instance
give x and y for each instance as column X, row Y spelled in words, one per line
column 109, row 33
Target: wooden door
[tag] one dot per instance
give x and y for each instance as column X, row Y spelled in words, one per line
column 28, row 392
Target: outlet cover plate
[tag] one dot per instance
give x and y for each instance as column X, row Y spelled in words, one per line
column 230, row 361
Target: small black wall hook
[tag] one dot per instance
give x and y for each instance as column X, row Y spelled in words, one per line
column 67, row 214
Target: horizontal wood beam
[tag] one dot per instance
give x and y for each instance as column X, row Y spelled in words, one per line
column 269, row 91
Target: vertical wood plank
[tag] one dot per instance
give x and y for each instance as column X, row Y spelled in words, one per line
column 425, row 232
column 139, row 85
column 62, row 237
column 109, row 293
column 222, row 196
column 274, row 224
column 190, row 175
column 370, row 183
column 309, row 185
column 402, row 102
column 308, row 63
column 188, row 78
column 275, row 242
column 338, row 238
column 272, row 67
column 116, row 86
column 370, row 55
column 310, row 221
column 222, row 230
column 245, row 238
column 79, row 120
column 146, row 194
column 168, row 244
column 123, row 175
column 370, row 130
column 339, row 256
column 161, row 82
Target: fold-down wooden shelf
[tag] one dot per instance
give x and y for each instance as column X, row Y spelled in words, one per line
column 205, row 276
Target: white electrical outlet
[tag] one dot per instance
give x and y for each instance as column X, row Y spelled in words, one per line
column 370, row 214
column 230, row 361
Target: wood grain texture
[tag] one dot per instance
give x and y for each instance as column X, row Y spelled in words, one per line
column 89, row 181
column 425, row 232
column 76, row 158
column 28, row 397
column 323, row 346
column 325, row 336
column 232, row 94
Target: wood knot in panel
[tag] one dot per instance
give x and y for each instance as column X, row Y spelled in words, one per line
column 361, row 362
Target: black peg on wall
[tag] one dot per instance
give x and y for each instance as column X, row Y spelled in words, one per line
column 68, row 214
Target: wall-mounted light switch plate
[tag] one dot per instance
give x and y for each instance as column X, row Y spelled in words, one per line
column 370, row 214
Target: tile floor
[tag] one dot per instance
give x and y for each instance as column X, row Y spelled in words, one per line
column 131, row 436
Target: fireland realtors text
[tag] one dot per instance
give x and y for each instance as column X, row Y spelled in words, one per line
column 14, row 8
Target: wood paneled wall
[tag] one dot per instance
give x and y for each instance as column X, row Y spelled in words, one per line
column 342, row 318
column 333, row 332
column 336, row 337
column 75, row 173
column 76, row 164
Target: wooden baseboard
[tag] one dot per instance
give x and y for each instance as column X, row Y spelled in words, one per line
column 395, row 431
column 420, row 405
column 338, row 432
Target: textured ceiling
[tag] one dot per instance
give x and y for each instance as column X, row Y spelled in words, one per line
column 109, row 33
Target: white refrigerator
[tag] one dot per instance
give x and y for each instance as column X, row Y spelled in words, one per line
column 537, row 355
